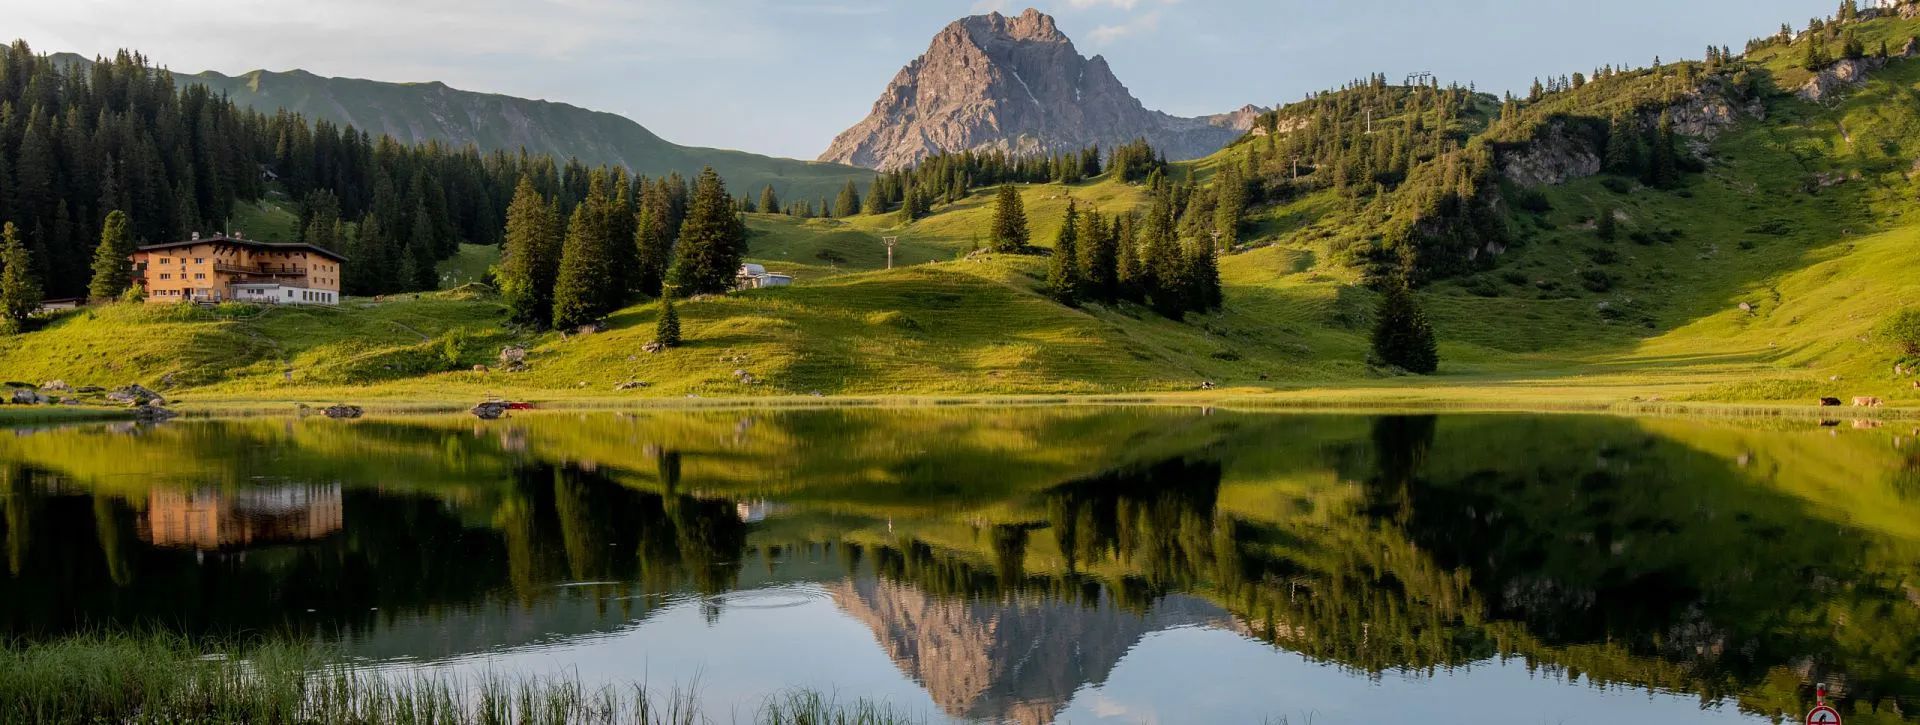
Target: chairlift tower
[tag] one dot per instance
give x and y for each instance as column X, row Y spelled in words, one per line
column 891, row 243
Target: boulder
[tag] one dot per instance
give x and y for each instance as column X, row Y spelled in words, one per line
column 134, row 394
column 489, row 410
column 56, row 385
column 1912, row 47
column 89, row 390
column 513, row 354
column 744, row 377
column 342, row 411
column 1838, row 77
column 654, row 348
column 153, row 413
column 630, row 385
column 482, row 369
column 591, row 328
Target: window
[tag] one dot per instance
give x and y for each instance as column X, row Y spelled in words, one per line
column 199, row 260
column 164, row 275
column 289, row 294
column 200, row 275
column 164, row 260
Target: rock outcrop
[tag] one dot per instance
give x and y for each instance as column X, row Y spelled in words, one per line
column 1839, row 77
column 990, row 82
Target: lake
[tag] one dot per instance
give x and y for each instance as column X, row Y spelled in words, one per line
column 1031, row 565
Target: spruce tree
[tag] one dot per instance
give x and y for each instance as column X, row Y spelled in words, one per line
column 848, row 203
column 1009, row 221
column 1663, row 163
column 1099, row 258
column 420, row 251
column 581, row 289
column 1623, row 147
column 19, row 284
column 654, row 234
column 530, row 260
column 1402, row 337
column 769, row 202
column 1063, row 270
column 666, row 331
column 712, row 240
column 113, row 259
column 1130, row 274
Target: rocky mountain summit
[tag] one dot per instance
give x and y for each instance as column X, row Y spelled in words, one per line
column 990, row 82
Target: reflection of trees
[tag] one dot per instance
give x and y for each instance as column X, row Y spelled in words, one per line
column 77, row 563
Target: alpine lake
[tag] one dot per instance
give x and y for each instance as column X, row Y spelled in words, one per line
column 1021, row 564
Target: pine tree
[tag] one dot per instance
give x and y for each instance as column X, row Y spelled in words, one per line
column 1623, row 147
column 113, row 259
column 1402, row 337
column 712, row 240
column 1663, row 164
column 1099, row 258
column 1131, row 275
column 420, row 254
column 769, row 202
column 654, row 235
column 848, row 203
column 1009, row 221
column 581, row 289
column 1063, row 270
column 1203, row 277
column 19, row 284
column 530, row 261
column 666, row 331
column 371, row 272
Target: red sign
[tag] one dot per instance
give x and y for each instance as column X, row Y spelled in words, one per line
column 1823, row 715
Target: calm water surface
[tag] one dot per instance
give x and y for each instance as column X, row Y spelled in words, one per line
column 1079, row 565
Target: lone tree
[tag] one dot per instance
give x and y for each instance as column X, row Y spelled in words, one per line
column 1009, row 221
column 667, row 330
column 113, row 259
column 1902, row 330
column 769, row 201
column 1063, row 272
column 1401, row 336
column 19, row 289
column 530, row 263
column 711, row 240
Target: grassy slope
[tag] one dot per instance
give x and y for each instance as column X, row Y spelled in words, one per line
column 1818, row 269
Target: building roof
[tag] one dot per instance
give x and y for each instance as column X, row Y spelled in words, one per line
column 250, row 244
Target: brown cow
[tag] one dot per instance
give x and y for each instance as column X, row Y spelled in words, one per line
column 1829, row 402
column 1867, row 401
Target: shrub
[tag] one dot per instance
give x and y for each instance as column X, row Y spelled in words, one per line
column 1902, row 331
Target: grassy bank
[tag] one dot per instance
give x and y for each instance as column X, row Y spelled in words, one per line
column 166, row 679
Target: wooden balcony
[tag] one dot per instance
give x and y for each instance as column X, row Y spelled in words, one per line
column 263, row 270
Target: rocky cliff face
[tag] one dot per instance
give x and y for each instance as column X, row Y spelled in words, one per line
column 991, row 82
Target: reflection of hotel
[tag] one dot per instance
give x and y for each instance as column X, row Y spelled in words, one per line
column 214, row 519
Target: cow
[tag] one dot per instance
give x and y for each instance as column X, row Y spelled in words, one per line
column 1829, row 402
column 1867, row 401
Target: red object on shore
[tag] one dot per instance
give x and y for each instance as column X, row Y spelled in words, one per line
column 519, row 406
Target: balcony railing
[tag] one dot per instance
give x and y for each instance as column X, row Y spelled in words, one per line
column 263, row 270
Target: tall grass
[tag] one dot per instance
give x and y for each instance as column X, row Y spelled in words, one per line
column 162, row 678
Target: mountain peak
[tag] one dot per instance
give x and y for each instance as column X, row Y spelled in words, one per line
column 990, row 82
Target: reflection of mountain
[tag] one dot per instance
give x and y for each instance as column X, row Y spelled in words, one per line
column 213, row 519
column 1012, row 660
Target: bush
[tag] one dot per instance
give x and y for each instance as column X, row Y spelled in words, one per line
column 1596, row 280
column 1902, row 331
column 1533, row 201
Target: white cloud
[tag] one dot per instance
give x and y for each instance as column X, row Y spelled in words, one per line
column 1144, row 23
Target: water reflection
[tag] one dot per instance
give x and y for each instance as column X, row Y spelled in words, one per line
column 1010, row 563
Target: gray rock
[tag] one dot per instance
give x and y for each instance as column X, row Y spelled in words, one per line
column 1839, row 77
column 512, row 354
column 56, row 385
column 489, row 410
column 89, row 389
column 342, row 411
column 26, row 396
column 134, row 394
column 153, row 413
column 630, row 385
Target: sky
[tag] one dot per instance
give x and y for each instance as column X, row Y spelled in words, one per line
column 783, row 77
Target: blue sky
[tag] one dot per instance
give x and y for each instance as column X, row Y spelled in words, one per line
column 784, row 77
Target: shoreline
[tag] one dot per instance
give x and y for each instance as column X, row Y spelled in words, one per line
column 1425, row 399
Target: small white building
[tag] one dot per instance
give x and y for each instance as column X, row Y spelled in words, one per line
column 754, row 276
column 278, row 294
